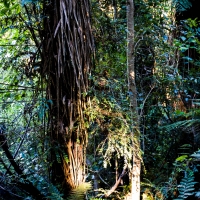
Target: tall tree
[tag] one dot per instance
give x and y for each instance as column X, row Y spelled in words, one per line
column 67, row 49
column 135, row 171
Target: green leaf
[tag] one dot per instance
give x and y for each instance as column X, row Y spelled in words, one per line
column 187, row 58
column 183, row 38
column 183, row 49
column 182, row 158
column 6, row 3
column 3, row 11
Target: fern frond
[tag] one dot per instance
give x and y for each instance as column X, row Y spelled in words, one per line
column 182, row 124
column 186, row 187
column 196, row 155
column 182, row 5
column 54, row 193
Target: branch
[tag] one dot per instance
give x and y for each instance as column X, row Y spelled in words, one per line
column 20, row 143
column 2, row 188
column 17, row 86
column 6, row 168
column 137, row 43
column 31, row 29
column 102, row 179
column 116, row 184
column 4, row 146
column 142, row 108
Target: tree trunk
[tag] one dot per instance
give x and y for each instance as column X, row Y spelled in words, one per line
column 68, row 47
column 135, row 171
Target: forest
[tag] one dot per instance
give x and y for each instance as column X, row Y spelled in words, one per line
column 99, row 100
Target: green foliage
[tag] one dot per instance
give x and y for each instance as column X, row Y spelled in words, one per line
column 159, row 82
column 196, row 155
column 20, row 104
column 43, row 108
column 166, row 74
column 186, row 187
column 107, row 118
column 53, row 193
column 189, row 36
column 80, row 191
column 23, row 2
column 182, row 158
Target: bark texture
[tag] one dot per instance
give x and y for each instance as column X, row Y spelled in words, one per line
column 67, row 47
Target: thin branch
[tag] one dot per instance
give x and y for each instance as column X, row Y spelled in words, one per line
column 11, row 192
column 21, row 141
column 141, row 112
column 4, row 165
column 26, row 87
column 13, row 45
column 116, row 184
column 137, row 43
column 5, row 102
column 102, row 179
column 31, row 29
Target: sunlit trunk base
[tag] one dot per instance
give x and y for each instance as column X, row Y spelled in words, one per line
column 135, row 182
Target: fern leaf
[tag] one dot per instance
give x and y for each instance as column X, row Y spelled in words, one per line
column 186, row 187
column 182, row 5
column 196, row 155
column 182, row 124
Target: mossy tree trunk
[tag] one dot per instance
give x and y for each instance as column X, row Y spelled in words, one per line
column 67, row 47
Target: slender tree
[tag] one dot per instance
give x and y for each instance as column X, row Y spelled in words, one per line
column 135, row 171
